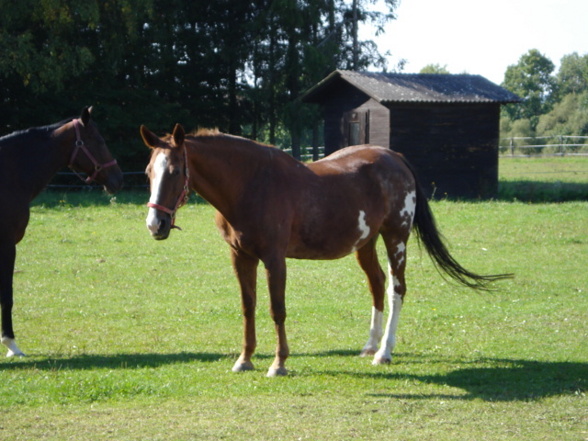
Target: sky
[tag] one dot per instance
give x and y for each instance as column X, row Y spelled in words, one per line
column 482, row 37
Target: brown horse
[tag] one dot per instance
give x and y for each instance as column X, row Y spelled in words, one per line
column 28, row 161
column 270, row 207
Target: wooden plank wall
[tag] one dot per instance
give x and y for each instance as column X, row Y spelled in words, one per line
column 344, row 99
column 454, row 147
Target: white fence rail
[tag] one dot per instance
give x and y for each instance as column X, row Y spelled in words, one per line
column 544, row 145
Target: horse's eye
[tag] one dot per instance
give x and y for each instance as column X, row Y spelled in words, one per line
column 175, row 171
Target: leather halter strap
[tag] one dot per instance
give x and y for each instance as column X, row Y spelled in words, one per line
column 81, row 146
column 182, row 199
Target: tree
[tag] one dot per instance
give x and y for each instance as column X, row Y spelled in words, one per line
column 568, row 117
column 532, row 80
column 573, row 74
column 300, row 43
column 434, row 69
column 239, row 65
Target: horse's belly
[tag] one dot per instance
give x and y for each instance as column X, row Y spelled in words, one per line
column 330, row 243
column 317, row 254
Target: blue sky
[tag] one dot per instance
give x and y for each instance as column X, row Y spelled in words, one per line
column 483, row 37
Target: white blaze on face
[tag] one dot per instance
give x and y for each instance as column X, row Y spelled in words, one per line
column 159, row 167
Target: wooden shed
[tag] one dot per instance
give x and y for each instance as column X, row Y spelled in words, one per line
column 446, row 125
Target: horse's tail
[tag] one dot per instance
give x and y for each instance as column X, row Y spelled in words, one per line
column 428, row 234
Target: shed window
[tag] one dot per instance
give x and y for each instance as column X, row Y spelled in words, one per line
column 354, row 131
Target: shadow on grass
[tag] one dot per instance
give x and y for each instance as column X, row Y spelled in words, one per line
column 487, row 379
column 541, row 192
column 114, row 361
column 521, row 381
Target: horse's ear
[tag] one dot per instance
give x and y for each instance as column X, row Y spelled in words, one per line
column 179, row 134
column 86, row 115
column 149, row 138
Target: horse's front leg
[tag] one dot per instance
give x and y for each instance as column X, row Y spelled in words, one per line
column 246, row 270
column 276, row 279
column 7, row 256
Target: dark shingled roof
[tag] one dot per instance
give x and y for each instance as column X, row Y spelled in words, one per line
column 417, row 88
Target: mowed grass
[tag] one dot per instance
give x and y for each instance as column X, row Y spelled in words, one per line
column 132, row 339
column 544, row 179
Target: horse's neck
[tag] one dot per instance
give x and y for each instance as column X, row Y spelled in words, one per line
column 45, row 159
column 222, row 168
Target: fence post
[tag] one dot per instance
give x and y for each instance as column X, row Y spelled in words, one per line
column 511, row 147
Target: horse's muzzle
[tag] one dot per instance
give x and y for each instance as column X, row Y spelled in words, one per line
column 114, row 180
column 158, row 226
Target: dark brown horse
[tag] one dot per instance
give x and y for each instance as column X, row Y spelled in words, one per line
column 28, row 161
column 270, row 207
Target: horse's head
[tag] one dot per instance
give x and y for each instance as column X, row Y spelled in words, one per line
column 168, row 175
column 91, row 156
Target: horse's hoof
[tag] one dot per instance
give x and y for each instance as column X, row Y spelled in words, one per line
column 277, row 372
column 15, row 354
column 243, row 367
column 13, row 350
column 381, row 360
column 367, row 352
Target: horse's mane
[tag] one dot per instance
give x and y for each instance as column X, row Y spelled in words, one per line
column 205, row 132
column 216, row 133
column 33, row 131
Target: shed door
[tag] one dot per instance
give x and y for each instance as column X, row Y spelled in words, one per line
column 357, row 127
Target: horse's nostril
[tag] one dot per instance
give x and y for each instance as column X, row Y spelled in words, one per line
column 162, row 224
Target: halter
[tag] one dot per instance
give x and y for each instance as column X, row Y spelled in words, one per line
column 182, row 199
column 80, row 145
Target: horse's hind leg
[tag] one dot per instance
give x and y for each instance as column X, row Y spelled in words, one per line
column 396, row 249
column 368, row 260
column 7, row 258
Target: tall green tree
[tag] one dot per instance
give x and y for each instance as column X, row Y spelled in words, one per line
column 572, row 76
column 562, row 108
column 531, row 79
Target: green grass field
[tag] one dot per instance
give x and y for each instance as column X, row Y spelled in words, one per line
column 544, row 179
column 132, row 339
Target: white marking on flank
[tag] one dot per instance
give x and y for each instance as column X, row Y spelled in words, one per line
column 159, row 166
column 364, row 229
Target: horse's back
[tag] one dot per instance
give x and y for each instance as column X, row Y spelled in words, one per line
column 367, row 170
column 355, row 193
column 353, row 158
